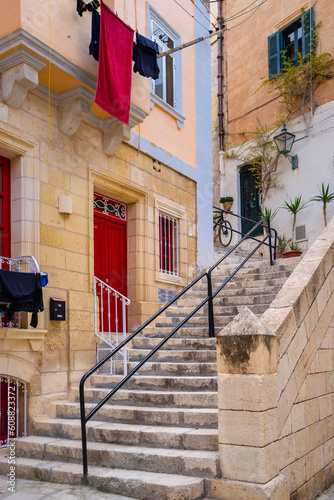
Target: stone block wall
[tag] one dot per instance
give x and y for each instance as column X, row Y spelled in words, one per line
column 46, row 167
column 276, row 422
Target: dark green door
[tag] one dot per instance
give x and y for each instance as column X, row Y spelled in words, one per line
column 250, row 207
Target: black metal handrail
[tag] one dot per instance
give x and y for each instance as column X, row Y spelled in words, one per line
column 270, row 229
column 208, row 300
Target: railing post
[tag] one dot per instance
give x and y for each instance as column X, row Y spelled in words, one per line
column 270, row 245
column 210, row 307
column 83, row 429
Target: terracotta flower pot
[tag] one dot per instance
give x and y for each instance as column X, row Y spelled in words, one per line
column 292, row 253
column 227, row 205
column 279, row 255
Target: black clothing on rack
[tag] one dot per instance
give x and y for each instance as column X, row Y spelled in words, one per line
column 21, row 292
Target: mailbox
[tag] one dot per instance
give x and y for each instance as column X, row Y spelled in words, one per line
column 57, row 309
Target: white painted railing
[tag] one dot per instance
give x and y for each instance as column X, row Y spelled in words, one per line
column 110, row 323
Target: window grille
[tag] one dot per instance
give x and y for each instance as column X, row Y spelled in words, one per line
column 169, row 244
column 13, row 410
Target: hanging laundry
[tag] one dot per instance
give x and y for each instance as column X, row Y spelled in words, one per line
column 81, row 7
column 113, row 90
column 145, row 57
column 95, row 41
column 21, row 292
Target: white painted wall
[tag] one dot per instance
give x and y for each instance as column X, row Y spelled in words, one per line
column 316, row 165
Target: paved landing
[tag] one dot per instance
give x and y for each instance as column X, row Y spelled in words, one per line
column 39, row 490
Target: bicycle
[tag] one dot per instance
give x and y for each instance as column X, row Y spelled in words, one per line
column 224, row 228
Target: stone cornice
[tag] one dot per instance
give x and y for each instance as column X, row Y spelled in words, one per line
column 22, row 37
column 21, row 56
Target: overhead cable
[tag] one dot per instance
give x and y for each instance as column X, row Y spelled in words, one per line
column 200, row 39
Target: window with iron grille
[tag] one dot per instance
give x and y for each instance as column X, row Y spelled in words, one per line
column 168, row 245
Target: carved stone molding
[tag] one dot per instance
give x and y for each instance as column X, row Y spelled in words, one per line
column 114, row 136
column 71, row 114
column 19, row 74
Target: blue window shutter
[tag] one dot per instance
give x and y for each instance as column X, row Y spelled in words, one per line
column 274, row 56
column 307, row 31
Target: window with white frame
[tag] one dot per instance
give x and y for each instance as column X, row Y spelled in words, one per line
column 167, row 89
column 168, row 244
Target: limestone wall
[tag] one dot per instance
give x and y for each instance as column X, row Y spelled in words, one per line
column 302, row 317
column 276, row 422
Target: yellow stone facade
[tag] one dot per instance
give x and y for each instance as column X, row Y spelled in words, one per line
column 46, row 164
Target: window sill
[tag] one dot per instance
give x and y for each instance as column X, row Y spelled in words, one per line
column 171, row 280
column 156, row 100
column 18, row 337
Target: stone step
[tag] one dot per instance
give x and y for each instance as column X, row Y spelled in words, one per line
column 157, row 382
column 180, row 369
column 136, row 484
column 200, row 463
column 222, row 300
column 179, row 399
column 219, row 310
column 179, row 417
column 175, row 343
column 174, row 356
column 196, row 332
column 186, row 438
column 243, row 282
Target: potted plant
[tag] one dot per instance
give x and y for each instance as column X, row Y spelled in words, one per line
column 281, row 245
column 325, row 197
column 267, row 213
column 293, row 252
column 294, row 207
column 227, row 201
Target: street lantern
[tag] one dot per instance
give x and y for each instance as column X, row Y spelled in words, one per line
column 284, row 142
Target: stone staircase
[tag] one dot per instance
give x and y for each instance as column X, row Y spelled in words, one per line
column 157, row 438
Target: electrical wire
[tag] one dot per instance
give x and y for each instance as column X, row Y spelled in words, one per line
column 191, row 15
column 49, row 89
column 196, row 7
column 252, row 14
column 242, row 11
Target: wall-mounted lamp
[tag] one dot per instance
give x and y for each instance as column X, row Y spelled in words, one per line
column 284, row 142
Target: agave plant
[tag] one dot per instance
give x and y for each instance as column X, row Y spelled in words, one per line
column 294, row 207
column 325, row 197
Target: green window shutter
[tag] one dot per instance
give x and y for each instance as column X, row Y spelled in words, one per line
column 307, row 31
column 274, row 56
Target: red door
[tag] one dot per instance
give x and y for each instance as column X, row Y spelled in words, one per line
column 4, row 207
column 110, row 261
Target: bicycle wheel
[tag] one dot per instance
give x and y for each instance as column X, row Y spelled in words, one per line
column 225, row 233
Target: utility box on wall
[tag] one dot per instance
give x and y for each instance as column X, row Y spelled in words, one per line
column 57, row 309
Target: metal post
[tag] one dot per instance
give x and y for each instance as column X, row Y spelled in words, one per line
column 83, row 429
column 210, row 307
column 270, row 245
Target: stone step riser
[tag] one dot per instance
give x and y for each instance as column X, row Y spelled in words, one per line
column 175, row 344
column 188, row 463
column 181, row 369
column 155, row 437
column 225, row 310
column 157, row 382
column 175, row 356
column 153, row 398
column 204, row 417
column 133, row 484
column 220, row 302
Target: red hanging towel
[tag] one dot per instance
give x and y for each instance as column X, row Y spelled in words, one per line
column 113, row 90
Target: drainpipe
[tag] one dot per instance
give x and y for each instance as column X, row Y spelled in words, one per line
column 220, row 77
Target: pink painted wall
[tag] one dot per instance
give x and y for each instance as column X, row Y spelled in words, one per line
column 70, row 36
